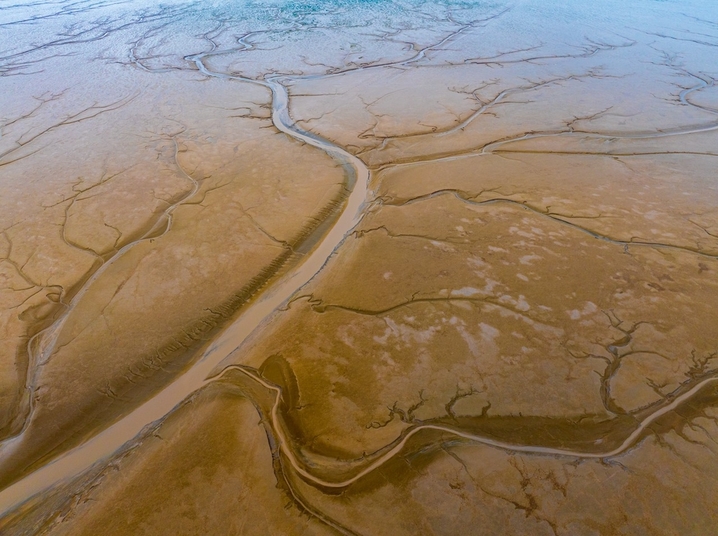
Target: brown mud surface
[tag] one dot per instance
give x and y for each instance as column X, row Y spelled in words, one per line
column 517, row 335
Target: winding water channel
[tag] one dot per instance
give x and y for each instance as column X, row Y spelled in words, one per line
column 257, row 313
column 260, row 311
column 363, row 468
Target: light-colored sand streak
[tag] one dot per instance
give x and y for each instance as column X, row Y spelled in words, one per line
column 529, row 449
column 257, row 313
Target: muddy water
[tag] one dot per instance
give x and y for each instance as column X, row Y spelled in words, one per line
column 493, row 332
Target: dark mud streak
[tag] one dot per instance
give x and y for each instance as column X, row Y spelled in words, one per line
column 559, row 218
column 497, row 146
column 417, row 445
column 42, row 337
column 490, row 431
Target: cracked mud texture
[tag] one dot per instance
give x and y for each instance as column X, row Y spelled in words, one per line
column 518, row 337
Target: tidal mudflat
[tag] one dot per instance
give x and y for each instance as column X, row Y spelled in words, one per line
column 358, row 267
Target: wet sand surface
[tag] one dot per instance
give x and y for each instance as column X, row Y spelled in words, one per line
column 358, row 268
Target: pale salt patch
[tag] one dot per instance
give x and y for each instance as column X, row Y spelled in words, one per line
column 538, row 326
column 470, row 341
column 522, row 277
column 442, row 246
column 589, row 308
column 494, row 249
column 393, row 326
column 476, row 262
column 405, row 333
column 521, row 304
column 489, row 287
column 343, row 335
column 488, row 333
column 465, row 291
column 527, row 259
column 517, row 231
column 387, row 275
column 383, row 339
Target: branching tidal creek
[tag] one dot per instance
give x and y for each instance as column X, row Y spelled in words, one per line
column 449, row 268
